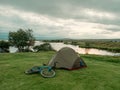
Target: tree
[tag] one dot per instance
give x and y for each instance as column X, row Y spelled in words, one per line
column 21, row 39
column 4, row 46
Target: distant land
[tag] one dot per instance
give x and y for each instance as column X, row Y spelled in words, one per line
column 71, row 39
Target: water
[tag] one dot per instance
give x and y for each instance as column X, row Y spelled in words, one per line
column 13, row 49
column 58, row 46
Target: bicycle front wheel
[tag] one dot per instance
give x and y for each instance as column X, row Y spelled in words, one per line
column 47, row 73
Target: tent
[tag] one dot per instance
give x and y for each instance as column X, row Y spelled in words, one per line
column 67, row 58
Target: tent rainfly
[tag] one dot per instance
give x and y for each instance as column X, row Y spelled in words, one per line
column 67, row 58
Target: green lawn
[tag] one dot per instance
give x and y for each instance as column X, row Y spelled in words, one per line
column 102, row 73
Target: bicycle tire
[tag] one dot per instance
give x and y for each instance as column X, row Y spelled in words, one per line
column 47, row 73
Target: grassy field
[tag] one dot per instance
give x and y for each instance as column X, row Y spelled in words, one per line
column 102, row 73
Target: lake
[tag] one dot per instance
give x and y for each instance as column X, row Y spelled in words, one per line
column 58, row 46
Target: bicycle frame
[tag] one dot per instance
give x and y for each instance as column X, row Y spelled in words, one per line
column 45, row 71
column 47, row 67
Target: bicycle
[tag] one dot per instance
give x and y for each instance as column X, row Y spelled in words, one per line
column 45, row 71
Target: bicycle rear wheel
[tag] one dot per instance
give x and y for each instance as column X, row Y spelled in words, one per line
column 47, row 73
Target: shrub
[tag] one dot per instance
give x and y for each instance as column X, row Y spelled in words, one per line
column 43, row 47
column 4, row 46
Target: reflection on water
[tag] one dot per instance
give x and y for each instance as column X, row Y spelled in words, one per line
column 58, row 46
column 13, row 49
column 87, row 51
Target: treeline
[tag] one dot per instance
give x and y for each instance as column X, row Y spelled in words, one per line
column 53, row 40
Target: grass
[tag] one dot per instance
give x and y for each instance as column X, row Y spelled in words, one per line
column 102, row 73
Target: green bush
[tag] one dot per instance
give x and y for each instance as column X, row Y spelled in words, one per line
column 4, row 46
column 43, row 47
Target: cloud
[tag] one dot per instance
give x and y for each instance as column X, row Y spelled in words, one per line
column 60, row 19
column 98, row 14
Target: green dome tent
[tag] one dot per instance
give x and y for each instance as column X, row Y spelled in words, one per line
column 67, row 58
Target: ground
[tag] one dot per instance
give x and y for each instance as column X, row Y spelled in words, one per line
column 102, row 73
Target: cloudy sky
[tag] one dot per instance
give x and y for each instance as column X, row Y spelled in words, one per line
column 54, row 19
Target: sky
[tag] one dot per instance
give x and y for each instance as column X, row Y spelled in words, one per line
column 58, row 19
